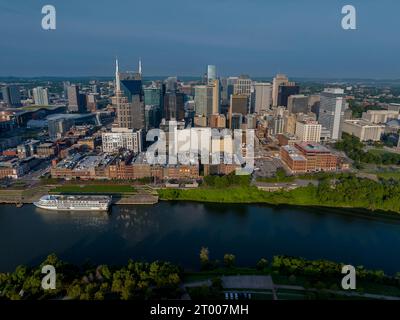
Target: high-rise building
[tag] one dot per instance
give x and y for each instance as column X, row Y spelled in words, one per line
column 331, row 111
column 11, row 96
column 95, row 89
column 174, row 106
column 242, row 85
column 203, row 99
column 215, row 96
column 40, row 96
column 58, row 127
column 236, row 121
column 313, row 103
column 211, row 73
column 224, row 89
column 263, row 96
column 152, row 116
column 91, row 102
column 279, row 80
column 239, row 104
column 66, row 84
column 251, row 121
column 276, row 125
column 131, row 85
column 171, row 84
column 129, row 99
column 308, row 131
column 76, row 100
column 285, row 91
column 290, row 123
column 298, row 104
column 217, row 121
column 152, row 96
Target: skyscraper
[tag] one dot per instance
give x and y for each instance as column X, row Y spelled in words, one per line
column 331, row 111
column 40, row 96
column 152, row 116
column 129, row 99
column 285, row 91
column 131, row 84
column 171, row 84
column 236, row 121
column 91, row 102
column 279, row 80
column 203, row 99
column 298, row 104
column 238, row 104
column 152, row 96
column 211, row 73
column 276, row 125
column 215, row 95
column 11, row 96
column 263, row 96
column 76, row 101
column 242, row 85
column 174, row 107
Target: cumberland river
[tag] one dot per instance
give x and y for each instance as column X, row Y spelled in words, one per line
column 176, row 232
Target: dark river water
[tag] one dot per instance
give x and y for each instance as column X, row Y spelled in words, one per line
column 176, row 232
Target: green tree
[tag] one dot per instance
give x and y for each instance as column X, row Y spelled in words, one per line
column 262, row 264
column 204, row 257
column 229, row 260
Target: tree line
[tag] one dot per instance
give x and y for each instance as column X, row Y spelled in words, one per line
column 354, row 149
column 136, row 280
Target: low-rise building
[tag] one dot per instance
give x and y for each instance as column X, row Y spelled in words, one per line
column 308, row 157
column 83, row 167
column 285, row 139
column 46, row 150
column 364, row 130
column 380, row 116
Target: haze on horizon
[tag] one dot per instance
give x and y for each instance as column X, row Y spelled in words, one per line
column 177, row 37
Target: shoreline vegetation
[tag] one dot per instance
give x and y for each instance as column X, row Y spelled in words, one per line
column 341, row 191
column 138, row 280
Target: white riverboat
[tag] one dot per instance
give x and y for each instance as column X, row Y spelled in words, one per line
column 74, row 203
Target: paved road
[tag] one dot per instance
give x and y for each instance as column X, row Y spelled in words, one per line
column 343, row 293
column 266, row 283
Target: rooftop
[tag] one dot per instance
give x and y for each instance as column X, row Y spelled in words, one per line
column 294, row 153
column 312, row 147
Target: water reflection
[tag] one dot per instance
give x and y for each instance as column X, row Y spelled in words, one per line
column 83, row 219
column 177, row 231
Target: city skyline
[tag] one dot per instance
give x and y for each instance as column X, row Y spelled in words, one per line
column 308, row 42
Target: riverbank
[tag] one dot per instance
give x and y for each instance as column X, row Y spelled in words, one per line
column 316, row 279
column 309, row 196
column 121, row 194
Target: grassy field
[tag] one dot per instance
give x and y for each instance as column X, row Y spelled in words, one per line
column 389, row 175
column 94, row 189
column 300, row 196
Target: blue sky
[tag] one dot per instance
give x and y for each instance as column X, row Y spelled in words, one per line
column 302, row 38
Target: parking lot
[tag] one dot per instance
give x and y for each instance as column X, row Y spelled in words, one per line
column 266, row 167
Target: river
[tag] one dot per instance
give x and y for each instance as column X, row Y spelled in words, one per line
column 176, row 232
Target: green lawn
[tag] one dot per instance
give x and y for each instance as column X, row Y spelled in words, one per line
column 299, row 196
column 389, row 175
column 94, row 189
